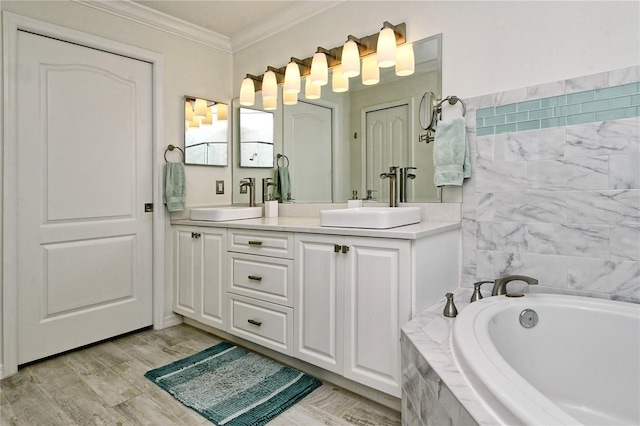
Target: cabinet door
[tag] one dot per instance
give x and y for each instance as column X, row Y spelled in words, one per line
column 377, row 274
column 186, row 257
column 200, row 273
column 213, row 246
column 318, row 301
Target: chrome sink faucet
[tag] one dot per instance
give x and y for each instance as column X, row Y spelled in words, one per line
column 405, row 173
column 500, row 286
column 266, row 183
column 392, row 175
column 250, row 183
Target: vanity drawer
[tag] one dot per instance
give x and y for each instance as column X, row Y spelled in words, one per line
column 264, row 323
column 265, row 243
column 265, row 278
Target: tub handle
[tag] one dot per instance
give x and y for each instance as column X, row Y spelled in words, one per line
column 477, row 294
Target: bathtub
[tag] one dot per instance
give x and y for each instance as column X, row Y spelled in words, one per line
column 580, row 364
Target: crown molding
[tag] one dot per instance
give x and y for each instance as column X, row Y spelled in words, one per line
column 280, row 22
column 160, row 21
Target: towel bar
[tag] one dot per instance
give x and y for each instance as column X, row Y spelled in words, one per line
column 278, row 157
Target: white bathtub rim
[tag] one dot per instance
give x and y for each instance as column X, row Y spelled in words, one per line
column 493, row 378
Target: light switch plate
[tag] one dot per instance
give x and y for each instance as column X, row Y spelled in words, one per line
column 219, row 187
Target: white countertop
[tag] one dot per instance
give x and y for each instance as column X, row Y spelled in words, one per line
column 312, row 225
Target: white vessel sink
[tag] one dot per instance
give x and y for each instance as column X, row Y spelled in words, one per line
column 219, row 214
column 370, row 217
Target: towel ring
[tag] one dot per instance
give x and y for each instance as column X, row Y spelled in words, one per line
column 278, row 157
column 436, row 111
column 171, row 148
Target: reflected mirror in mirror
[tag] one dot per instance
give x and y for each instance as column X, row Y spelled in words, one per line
column 206, row 132
column 256, row 138
column 354, row 158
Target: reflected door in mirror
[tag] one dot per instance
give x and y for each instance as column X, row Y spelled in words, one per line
column 206, row 132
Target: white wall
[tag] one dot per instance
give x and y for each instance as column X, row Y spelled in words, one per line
column 488, row 47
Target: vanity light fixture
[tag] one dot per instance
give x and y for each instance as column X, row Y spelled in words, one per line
column 405, row 61
column 200, row 108
column 208, row 120
column 350, row 58
column 222, row 112
column 290, row 98
column 195, row 123
column 339, row 83
column 270, row 104
column 188, row 111
column 370, row 70
column 386, row 50
column 311, row 91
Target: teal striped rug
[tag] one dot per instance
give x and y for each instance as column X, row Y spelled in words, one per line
column 231, row 386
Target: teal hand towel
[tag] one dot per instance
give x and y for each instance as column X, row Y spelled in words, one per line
column 451, row 153
column 282, row 190
column 174, row 186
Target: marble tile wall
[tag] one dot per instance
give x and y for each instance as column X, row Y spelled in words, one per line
column 561, row 203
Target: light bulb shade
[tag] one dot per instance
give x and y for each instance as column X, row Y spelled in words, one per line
column 370, row 70
column 339, row 83
column 405, row 60
column 195, row 123
column 319, row 69
column 269, row 104
column 208, row 120
column 188, row 111
column 350, row 59
column 269, row 85
column 386, row 50
column 247, row 92
column 311, row 91
column 200, row 108
column 292, row 78
column 222, row 112
column 290, row 98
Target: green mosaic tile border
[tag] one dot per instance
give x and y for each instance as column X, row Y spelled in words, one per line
column 610, row 103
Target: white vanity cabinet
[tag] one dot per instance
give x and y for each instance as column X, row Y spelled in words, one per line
column 353, row 294
column 260, row 289
column 199, row 291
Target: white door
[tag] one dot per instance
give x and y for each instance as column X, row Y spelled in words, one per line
column 84, row 174
column 307, row 135
column 387, row 139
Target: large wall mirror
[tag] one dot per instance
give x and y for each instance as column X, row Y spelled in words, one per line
column 206, row 132
column 342, row 142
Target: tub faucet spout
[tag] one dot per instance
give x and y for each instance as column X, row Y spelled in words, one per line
column 500, row 286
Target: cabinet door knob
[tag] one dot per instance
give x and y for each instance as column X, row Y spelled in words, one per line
column 255, row 243
column 255, row 278
column 336, row 248
column 345, row 249
column 195, row 235
column 254, row 322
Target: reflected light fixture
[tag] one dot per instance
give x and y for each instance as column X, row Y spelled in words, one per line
column 311, row 91
column 350, row 59
column 339, row 83
column 200, row 108
column 290, row 98
column 292, row 78
column 370, row 70
column 195, row 123
column 222, row 112
column 269, row 104
column 247, row 92
column 319, row 69
column 208, row 120
column 386, row 49
column 188, row 111
column 269, row 85
column 405, row 60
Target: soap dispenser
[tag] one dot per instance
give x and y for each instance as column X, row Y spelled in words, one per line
column 354, row 201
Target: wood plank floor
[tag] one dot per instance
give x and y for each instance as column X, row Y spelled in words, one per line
column 105, row 385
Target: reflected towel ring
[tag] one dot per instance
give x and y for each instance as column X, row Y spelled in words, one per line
column 278, row 157
column 171, row 148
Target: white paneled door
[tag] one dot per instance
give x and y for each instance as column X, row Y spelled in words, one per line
column 84, row 175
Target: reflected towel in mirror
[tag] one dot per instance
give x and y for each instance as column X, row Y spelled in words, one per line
column 174, row 186
column 282, row 189
column 451, row 153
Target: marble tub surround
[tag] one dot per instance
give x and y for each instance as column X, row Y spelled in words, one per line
column 562, row 202
column 434, row 391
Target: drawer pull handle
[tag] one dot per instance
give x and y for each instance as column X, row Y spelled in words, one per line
column 254, row 322
column 255, row 243
column 195, row 235
column 255, row 278
column 345, row 249
column 336, row 248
